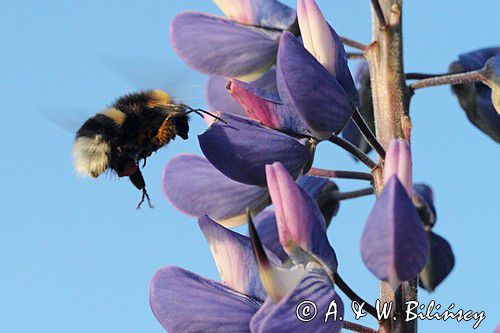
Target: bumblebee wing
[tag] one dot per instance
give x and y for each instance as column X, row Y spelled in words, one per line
column 146, row 73
column 68, row 119
column 143, row 72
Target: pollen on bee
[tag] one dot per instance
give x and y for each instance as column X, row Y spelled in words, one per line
column 166, row 132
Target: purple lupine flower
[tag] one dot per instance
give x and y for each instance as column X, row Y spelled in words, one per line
column 302, row 233
column 243, row 45
column 183, row 301
column 351, row 132
column 320, row 189
column 394, row 245
column 319, row 98
column 211, row 193
column 293, row 206
column 476, row 98
column 312, row 101
column 314, row 95
column 241, row 147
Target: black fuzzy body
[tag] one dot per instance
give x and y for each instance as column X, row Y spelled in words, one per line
column 134, row 127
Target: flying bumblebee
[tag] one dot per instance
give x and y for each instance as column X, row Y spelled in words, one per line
column 128, row 132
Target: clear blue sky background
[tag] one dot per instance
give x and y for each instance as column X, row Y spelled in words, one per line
column 76, row 256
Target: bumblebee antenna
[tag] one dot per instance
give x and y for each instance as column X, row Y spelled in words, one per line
column 200, row 113
column 145, row 196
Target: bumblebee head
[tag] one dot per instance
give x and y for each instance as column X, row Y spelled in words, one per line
column 181, row 124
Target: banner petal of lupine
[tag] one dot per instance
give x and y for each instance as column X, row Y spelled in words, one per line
column 186, row 302
column 209, row 192
column 219, row 46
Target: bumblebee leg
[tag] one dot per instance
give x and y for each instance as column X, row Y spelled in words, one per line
column 165, row 133
column 145, row 196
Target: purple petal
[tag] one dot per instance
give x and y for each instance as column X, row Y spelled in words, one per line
column 394, row 245
column 186, row 302
column 218, row 98
column 266, row 107
column 219, row 46
column 265, row 13
column 267, row 81
column 267, row 228
column 320, row 189
column 209, row 192
column 440, row 263
column 303, row 82
column 301, row 226
column 241, row 149
column 423, row 199
column 315, row 287
column 398, row 162
column 234, row 258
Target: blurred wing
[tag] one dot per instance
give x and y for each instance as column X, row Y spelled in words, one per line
column 143, row 73
column 68, row 119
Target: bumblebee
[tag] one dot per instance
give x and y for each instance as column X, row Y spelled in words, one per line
column 128, row 132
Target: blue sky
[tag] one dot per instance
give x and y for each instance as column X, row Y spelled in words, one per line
column 76, row 255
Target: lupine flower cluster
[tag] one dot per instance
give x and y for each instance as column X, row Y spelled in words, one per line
column 280, row 81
